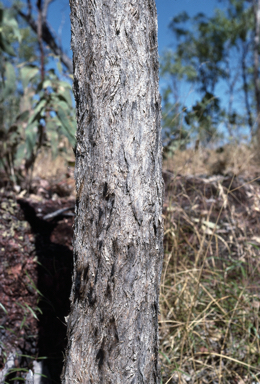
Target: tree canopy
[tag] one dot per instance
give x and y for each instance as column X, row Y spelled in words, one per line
column 213, row 55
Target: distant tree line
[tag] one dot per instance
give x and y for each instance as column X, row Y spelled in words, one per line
column 218, row 57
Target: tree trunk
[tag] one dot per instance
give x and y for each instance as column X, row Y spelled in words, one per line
column 256, row 5
column 118, row 249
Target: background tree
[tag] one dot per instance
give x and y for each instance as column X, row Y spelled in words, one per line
column 39, row 24
column 215, row 55
column 36, row 107
column 112, row 328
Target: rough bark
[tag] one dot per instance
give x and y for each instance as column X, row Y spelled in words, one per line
column 113, row 325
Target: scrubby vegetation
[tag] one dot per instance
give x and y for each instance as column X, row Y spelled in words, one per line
column 210, row 296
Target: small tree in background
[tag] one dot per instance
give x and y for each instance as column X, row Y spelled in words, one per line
column 214, row 53
column 36, row 107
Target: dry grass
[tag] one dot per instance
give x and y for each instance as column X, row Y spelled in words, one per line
column 240, row 160
column 210, row 293
column 53, row 168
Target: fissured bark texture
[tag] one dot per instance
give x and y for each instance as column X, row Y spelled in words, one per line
column 118, row 249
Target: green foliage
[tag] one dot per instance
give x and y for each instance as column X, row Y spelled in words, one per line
column 204, row 117
column 33, row 113
column 209, row 52
column 9, row 31
column 174, row 135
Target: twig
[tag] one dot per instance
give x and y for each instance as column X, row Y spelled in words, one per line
column 49, row 39
column 57, row 213
column 45, row 9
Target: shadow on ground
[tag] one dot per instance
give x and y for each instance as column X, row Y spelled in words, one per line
column 53, row 250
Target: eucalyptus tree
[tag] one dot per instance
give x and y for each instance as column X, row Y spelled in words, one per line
column 113, row 324
column 36, row 107
column 216, row 55
column 197, row 59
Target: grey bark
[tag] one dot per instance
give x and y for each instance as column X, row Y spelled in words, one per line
column 118, row 249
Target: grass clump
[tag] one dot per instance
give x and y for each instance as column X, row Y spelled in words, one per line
column 210, row 294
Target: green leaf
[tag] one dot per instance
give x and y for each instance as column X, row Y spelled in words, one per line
column 27, row 73
column 31, row 139
column 22, row 355
column 47, row 83
column 9, row 21
column 59, row 66
column 67, row 96
column 18, row 370
column 23, row 321
column 32, row 311
column 209, row 224
column 20, row 153
column 33, row 284
column 23, row 116
column 36, row 113
column 64, row 84
column 68, row 127
column 9, row 30
column 18, row 378
column 10, row 81
column 3, row 308
column 52, row 130
column 63, row 98
column 6, row 46
column 60, row 101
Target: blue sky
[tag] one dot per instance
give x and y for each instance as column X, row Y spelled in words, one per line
column 167, row 9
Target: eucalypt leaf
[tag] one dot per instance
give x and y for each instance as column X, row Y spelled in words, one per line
column 28, row 72
column 9, row 31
